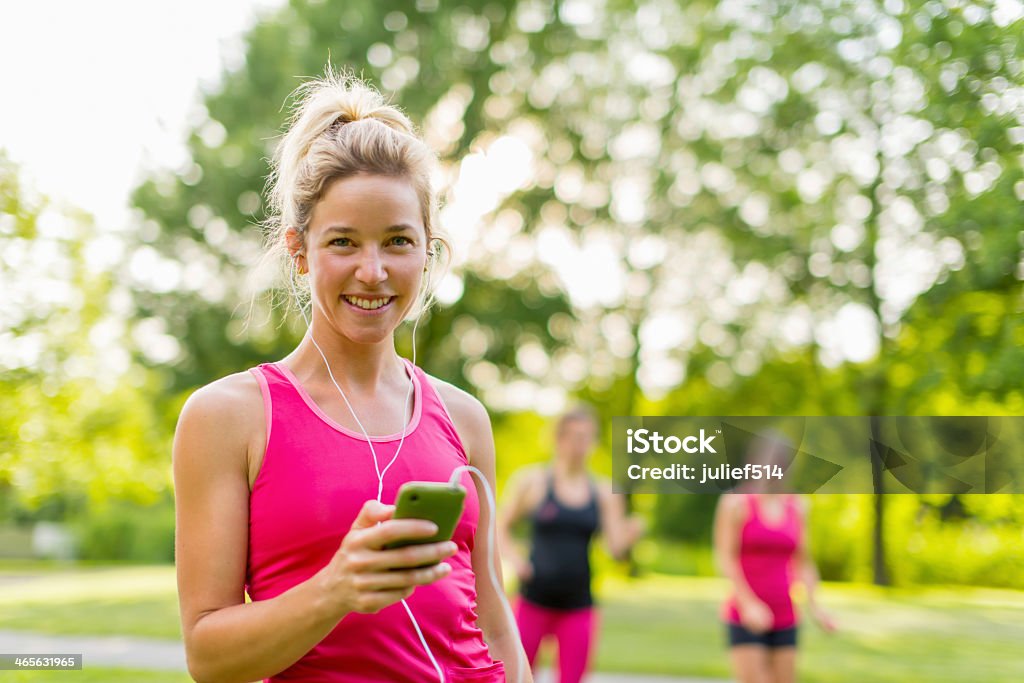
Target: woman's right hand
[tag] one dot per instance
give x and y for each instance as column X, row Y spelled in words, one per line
column 364, row 577
column 524, row 571
column 755, row 615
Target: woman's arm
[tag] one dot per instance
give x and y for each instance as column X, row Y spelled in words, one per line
column 516, row 505
column 808, row 572
column 227, row 639
column 620, row 531
column 729, row 518
column 502, row 635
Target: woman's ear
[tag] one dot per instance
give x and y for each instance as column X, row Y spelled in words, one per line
column 434, row 247
column 296, row 249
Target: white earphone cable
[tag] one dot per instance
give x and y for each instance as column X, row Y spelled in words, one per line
column 492, row 547
column 369, row 442
column 492, row 504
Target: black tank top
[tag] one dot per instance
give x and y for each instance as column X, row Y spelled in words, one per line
column 560, row 553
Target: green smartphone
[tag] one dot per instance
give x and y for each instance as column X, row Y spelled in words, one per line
column 440, row 503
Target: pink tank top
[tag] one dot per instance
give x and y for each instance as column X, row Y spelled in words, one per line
column 314, row 479
column 766, row 554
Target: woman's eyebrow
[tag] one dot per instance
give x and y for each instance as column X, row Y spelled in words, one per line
column 345, row 230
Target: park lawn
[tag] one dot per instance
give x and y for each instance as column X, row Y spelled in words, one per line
column 657, row 624
column 670, row 625
column 90, row 675
column 93, row 600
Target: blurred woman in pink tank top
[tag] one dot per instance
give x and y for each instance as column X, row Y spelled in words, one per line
column 761, row 547
column 280, row 495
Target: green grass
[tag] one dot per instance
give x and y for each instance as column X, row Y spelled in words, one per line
column 94, row 600
column 89, row 599
column 658, row 625
column 670, row 625
column 664, row 625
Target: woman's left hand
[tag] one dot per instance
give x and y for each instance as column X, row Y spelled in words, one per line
column 824, row 619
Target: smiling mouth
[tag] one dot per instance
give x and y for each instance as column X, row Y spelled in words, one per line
column 368, row 304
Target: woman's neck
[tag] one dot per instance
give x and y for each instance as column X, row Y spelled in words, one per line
column 358, row 366
column 568, row 471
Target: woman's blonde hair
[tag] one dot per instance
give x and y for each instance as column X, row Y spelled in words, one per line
column 342, row 127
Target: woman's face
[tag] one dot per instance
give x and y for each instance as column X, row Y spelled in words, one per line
column 366, row 248
column 770, row 453
column 575, row 440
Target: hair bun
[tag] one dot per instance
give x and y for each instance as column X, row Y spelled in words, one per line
column 354, row 101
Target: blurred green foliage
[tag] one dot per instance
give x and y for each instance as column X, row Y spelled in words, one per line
column 127, row 532
column 757, row 168
column 79, row 423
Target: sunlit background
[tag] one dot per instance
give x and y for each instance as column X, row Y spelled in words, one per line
column 87, row 125
column 661, row 207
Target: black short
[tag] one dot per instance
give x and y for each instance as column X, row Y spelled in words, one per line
column 784, row 637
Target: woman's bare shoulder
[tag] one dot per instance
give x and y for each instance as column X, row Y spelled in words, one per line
column 531, row 477
column 605, row 491
column 734, row 505
column 802, row 504
column 467, row 412
column 461, row 404
column 235, row 396
column 225, row 415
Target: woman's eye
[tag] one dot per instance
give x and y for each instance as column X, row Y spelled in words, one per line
column 401, row 241
column 341, row 242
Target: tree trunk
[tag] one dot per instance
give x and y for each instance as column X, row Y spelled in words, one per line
column 630, row 403
column 879, row 569
column 877, row 392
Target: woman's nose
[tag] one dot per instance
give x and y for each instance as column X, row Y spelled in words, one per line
column 371, row 268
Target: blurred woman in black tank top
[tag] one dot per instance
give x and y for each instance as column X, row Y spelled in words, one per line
column 565, row 507
column 559, row 576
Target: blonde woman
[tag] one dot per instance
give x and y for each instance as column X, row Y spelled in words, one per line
column 284, row 474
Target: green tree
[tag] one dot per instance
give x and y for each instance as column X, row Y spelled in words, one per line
column 851, row 155
column 77, row 422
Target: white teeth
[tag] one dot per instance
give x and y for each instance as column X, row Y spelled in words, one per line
column 367, row 304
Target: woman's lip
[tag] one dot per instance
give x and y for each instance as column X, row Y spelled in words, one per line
column 368, row 311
